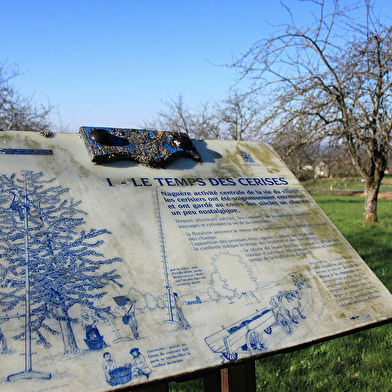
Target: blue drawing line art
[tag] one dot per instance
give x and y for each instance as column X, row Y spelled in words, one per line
column 128, row 307
column 241, row 336
column 250, row 335
column 127, row 310
column 48, row 265
column 3, row 340
column 109, row 368
column 94, row 340
column 114, row 329
column 136, row 368
column 174, row 309
column 196, row 301
column 241, row 284
column 181, row 320
column 246, row 157
column 25, row 151
column 138, row 364
column 286, row 307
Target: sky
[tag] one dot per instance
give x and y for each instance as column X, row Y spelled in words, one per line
column 114, row 62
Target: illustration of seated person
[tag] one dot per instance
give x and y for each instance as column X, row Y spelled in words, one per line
column 115, row 375
column 108, row 366
column 138, row 364
column 93, row 339
column 128, row 307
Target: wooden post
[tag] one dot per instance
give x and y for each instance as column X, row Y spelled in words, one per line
column 212, row 381
column 237, row 378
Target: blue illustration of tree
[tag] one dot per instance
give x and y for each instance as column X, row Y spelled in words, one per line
column 232, row 278
column 47, row 263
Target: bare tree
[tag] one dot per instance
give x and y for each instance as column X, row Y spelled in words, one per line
column 239, row 116
column 291, row 143
column 206, row 123
column 335, row 76
column 176, row 118
column 199, row 123
column 235, row 118
column 18, row 112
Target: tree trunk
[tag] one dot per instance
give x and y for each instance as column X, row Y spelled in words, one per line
column 69, row 341
column 371, row 196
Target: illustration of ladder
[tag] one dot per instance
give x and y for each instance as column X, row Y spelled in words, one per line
column 167, row 286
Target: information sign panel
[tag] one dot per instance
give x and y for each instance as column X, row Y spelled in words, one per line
column 120, row 274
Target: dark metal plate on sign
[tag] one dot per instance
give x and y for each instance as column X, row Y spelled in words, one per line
column 149, row 147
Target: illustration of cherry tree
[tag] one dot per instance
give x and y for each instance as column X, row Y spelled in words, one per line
column 48, row 263
column 232, row 279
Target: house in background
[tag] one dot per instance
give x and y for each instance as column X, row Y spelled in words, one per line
column 321, row 170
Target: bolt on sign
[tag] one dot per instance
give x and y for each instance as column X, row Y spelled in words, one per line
column 130, row 256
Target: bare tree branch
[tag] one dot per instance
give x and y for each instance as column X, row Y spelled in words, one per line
column 18, row 112
column 333, row 78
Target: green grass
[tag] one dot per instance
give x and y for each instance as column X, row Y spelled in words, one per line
column 348, row 184
column 357, row 362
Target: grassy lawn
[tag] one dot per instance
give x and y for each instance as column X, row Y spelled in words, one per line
column 357, row 362
column 349, row 183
